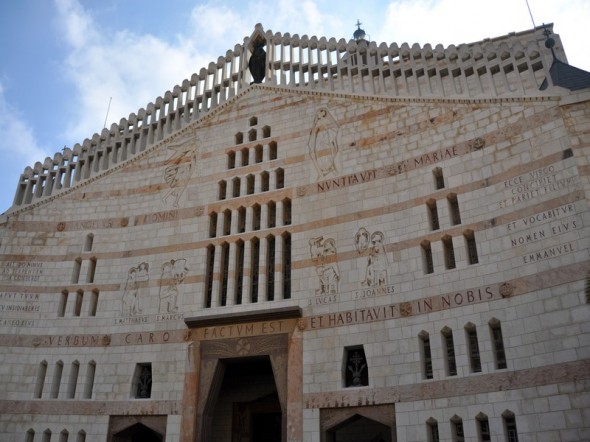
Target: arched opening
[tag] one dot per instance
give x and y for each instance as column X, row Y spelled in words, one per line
column 138, row 433
column 244, row 404
column 358, row 428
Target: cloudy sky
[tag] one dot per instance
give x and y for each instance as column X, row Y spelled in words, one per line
column 63, row 60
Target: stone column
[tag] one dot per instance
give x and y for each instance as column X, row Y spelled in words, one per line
column 247, row 278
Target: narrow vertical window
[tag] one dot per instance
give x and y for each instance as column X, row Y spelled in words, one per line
column 272, row 214
column 439, row 180
column 510, row 426
column 209, row 275
column 231, row 160
column 497, row 344
column 239, row 138
column 226, row 222
column 264, row 181
column 472, row 257
column 63, row 436
column 256, row 217
column 78, row 302
column 255, row 252
column 40, row 382
column 286, row 212
column 142, row 378
column 280, row 178
column 46, row 436
column 245, row 156
column 483, row 427
column 59, row 367
column 76, row 271
column 91, row 271
column 63, row 302
column 89, row 242
column 270, row 268
column 258, row 153
column 252, row 135
column 432, row 429
column 455, row 215
column 89, row 383
column 457, row 432
column 356, row 368
column 30, row 437
column 273, row 150
column 239, row 274
column 224, row 272
column 81, row 436
column 449, row 347
column 432, row 214
column 73, row 380
column 93, row 304
column 235, row 187
column 266, row 132
column 222, row 186
column 427, row 262
column 212, row 225
column 286, row 265
column 449, row 252
column 241, row 220
column 250, row 184
column 426, row 355
column 473, row 348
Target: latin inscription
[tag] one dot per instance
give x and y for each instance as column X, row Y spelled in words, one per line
column 241, row 330
column 158, row 217
column 21, row 271
column 404, row 309
column 542, row 226
column 534, row 184
column 345, row 181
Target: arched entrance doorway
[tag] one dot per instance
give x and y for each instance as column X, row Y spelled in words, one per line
column 247, row 407
column 359, row 429
column 370, row 423
column 138, row 433
column 137, row 428
column 243, row 390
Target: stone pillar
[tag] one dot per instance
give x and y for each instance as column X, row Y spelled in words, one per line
column 262, row 286
column 231, row 287
column 247, row 278
column 278, row 268
column 216, row 291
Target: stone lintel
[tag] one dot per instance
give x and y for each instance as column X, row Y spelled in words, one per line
column 238, row 318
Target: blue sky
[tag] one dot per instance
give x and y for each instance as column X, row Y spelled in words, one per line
column 63, row 60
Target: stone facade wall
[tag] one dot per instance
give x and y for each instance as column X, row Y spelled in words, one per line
column 360, row 177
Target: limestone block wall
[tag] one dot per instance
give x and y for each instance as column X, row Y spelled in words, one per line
column 406, row 218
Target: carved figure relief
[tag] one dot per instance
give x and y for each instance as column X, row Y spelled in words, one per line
column 181, row 166
column 323, row 143
column 323, row 255
column 173, row 273
column 137, row 278
column 257, row 64
column 373, row 247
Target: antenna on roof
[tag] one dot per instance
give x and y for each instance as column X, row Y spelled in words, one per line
column 530, row 13
column 107, row 115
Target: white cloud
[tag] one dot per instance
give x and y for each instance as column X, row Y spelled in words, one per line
column 132, row 69
column 17, row 141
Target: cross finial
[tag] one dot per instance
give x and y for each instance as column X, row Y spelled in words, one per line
column 358, row 23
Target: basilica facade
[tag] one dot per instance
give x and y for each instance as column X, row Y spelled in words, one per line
column 313, row 240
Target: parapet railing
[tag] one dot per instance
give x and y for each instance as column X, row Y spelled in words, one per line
column 513, row 65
